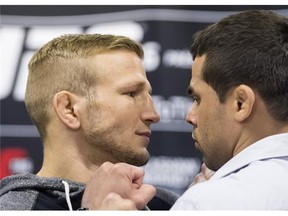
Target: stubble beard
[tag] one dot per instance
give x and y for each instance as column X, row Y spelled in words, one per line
column 105, row 141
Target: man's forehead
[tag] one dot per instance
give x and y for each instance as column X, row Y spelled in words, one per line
column 143, row 82
column 198, row 64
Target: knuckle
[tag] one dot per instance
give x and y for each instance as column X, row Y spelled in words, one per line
column 128, row 204
column 106, row 165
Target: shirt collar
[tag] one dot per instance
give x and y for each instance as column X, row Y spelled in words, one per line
column 274, row 146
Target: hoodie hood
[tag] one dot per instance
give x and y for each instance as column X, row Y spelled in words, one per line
column 35, row 191
column 32, row 192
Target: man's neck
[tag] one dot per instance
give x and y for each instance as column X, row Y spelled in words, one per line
column 66, row 164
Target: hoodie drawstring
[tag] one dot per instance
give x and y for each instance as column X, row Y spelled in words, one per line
column 67, row 193
column 68, row 200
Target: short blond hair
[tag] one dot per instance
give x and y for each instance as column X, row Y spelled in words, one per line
column 60, row 65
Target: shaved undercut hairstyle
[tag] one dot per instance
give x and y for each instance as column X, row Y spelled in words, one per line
column 60, row 65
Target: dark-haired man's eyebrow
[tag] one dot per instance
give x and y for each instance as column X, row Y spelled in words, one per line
column 190, row 91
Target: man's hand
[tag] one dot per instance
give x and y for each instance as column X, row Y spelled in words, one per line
column 204, row 175
column 117, row 186
column 114, row 201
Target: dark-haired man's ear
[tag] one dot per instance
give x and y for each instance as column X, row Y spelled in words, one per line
column 244, row 98
column 64, row 104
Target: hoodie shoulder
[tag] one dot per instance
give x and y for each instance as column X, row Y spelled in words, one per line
column 14, row 192
column 29, row 191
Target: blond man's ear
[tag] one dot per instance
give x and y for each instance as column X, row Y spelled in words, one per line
column 65, row 106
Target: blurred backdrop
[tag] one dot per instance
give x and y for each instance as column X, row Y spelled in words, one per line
column 164, row 31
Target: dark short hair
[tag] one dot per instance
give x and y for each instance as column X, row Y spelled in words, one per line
column 250, row 48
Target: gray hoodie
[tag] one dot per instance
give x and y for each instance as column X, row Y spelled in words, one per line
column 31, row 192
